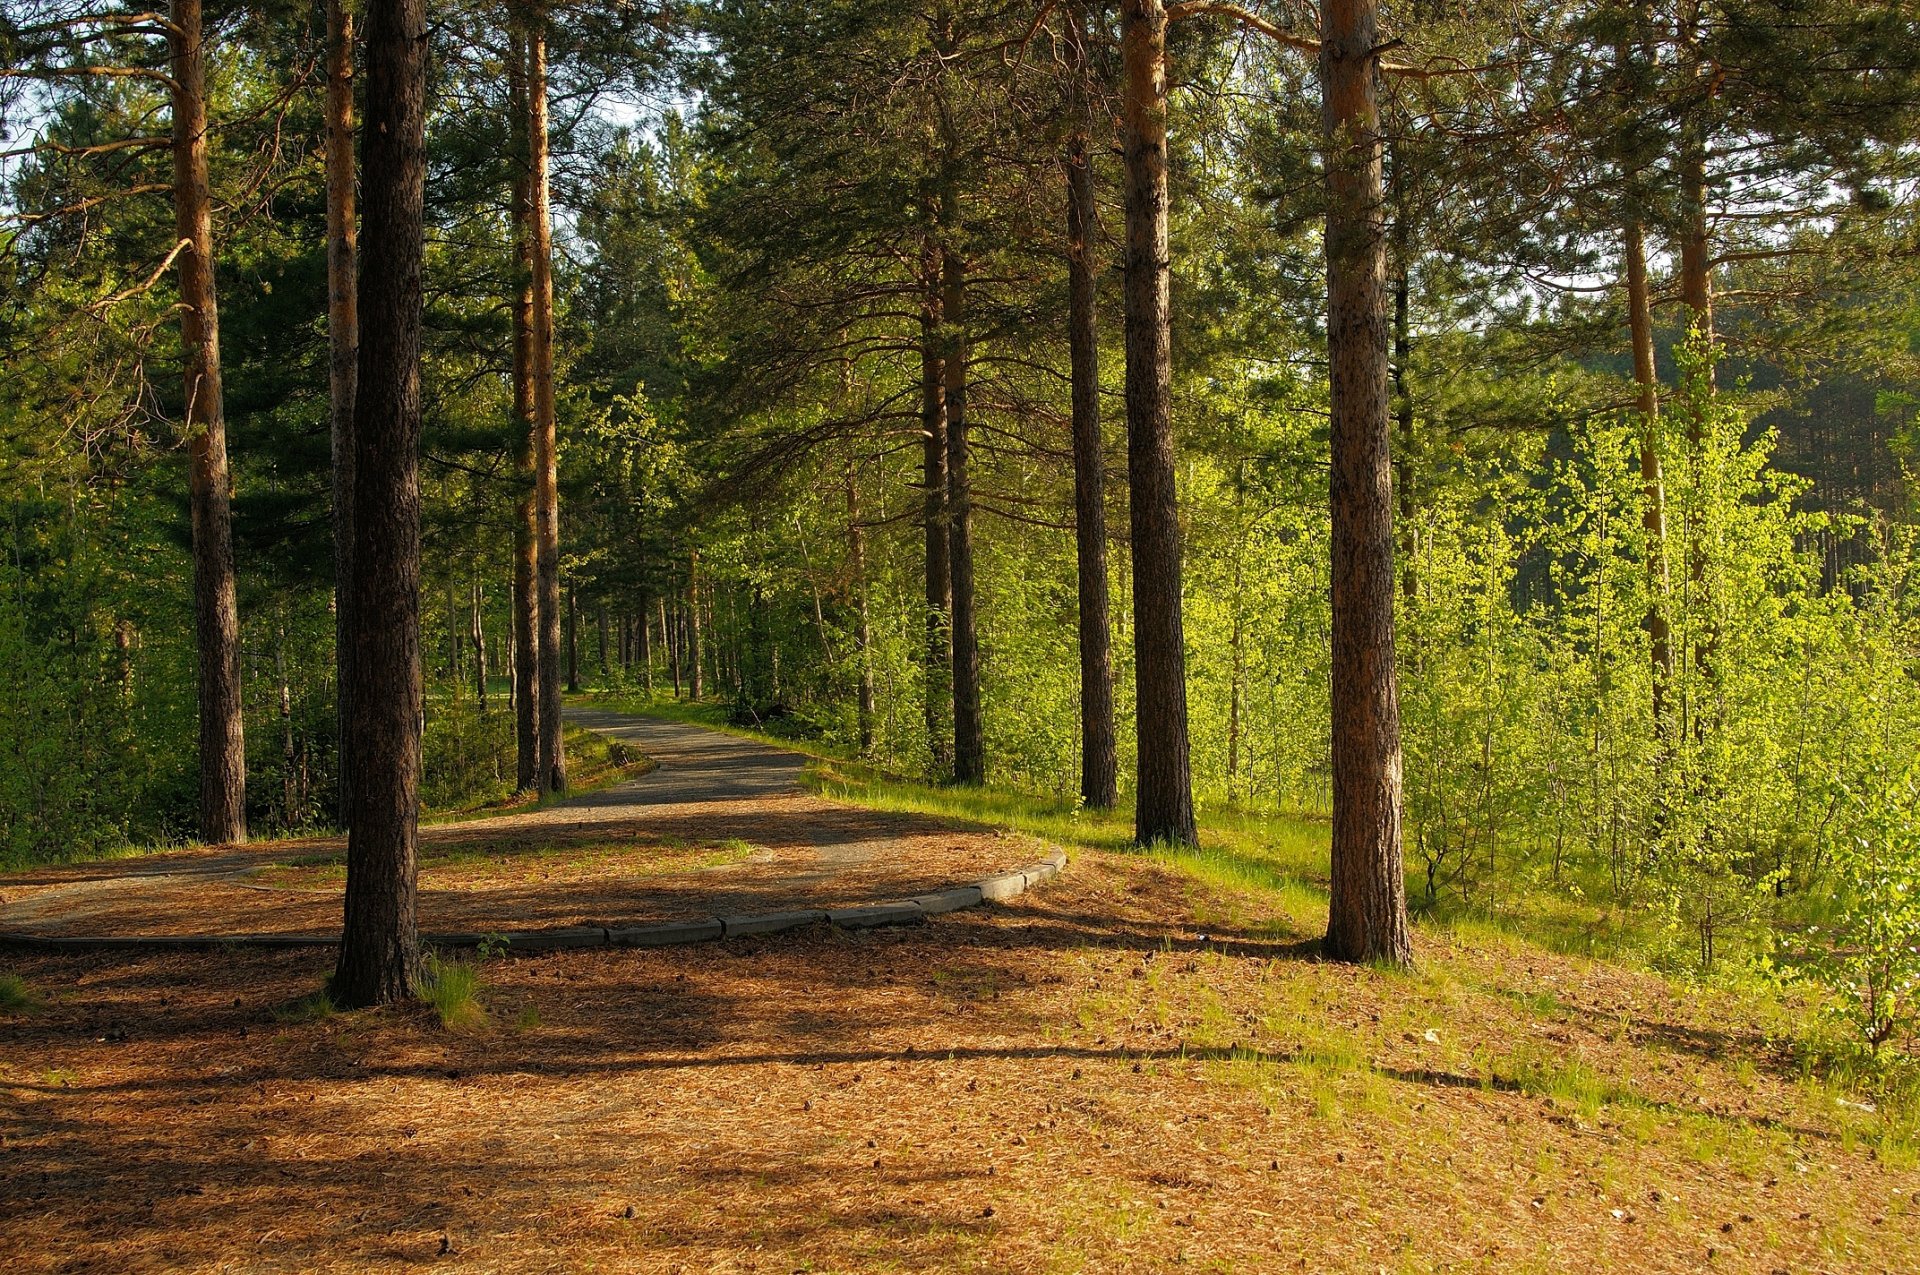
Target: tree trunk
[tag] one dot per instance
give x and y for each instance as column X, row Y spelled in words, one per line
column 222, row 747
column 573, row 641
column 1403, row 413
column 933, row 477
column 379, row 944
column 1164, row 804
column 862, row 626
column 526, row 601
column 1654, row 517
column 546, row 470
column 343, row 339
column 644, row 648
column 696, row 675
column 671, row 641
column 600, row 620
column 1368, row 911
column 478, row 632
column 969, row 733
column 1099, row 754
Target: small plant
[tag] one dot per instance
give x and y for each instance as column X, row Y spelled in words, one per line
column 16, row 995
column 452, row 988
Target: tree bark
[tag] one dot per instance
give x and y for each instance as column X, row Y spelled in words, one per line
column 863, row 625
column 343, row 339
column 969, row 731
column 573, row 641
column 1164, row 804
column 379, row 944
column 478, row 632
column 696, row 674
column 526, row 601
column 222, row 742
column 546, row 469
column 1099, row 754
column 936, row 689
column 1654, row 516
column 1368, row 912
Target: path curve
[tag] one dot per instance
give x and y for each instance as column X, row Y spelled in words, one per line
column 812, row 860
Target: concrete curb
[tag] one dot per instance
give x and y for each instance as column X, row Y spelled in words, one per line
column 994, row 889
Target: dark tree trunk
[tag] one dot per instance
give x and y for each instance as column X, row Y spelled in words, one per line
column 1099, row 755
column 670, row 639
column 379, row 944
column 969, row 734
column 1654, row 517
column 644, row 649
column 222, row 751
column 863, row 625
column 1164, row 804
column 343, row 339
column 1367, row 906
column 546, row 468
column 526, row 600
column 600, row 621
column 933, row 477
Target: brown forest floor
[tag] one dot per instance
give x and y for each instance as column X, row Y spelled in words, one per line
column 1077, row 1081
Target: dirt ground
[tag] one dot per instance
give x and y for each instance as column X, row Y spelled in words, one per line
column 1120, row 1071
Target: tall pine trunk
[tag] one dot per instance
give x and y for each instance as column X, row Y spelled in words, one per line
column 343, row 340
column 478, row 631
column 216, row 608
column 1099, row 756
column 379, row 944
column 526, row 600
column 1164, row 804
column 936, row 682
column 969, row 732
column 546, row 469
column 1368, row 911
column 573, row 640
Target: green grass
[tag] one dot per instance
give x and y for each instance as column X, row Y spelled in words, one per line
column 452, row 989
column 312, row 1008
column 16, row 995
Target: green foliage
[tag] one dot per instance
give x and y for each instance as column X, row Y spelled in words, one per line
column 1870, row 959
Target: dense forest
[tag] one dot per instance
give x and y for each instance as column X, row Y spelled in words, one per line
column 1485, row 427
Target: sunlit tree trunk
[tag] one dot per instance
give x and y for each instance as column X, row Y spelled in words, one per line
column 379, row 944
column 546, row 467
column 1164, row 802
column 343, row 339
column 478, row 632
column 222, row 745
column 1368, row 911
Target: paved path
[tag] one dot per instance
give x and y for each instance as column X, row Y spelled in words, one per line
column 619, row 856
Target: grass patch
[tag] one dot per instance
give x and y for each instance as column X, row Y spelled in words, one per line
column 451, row 988
column 312, row 1008
column 17, row 995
